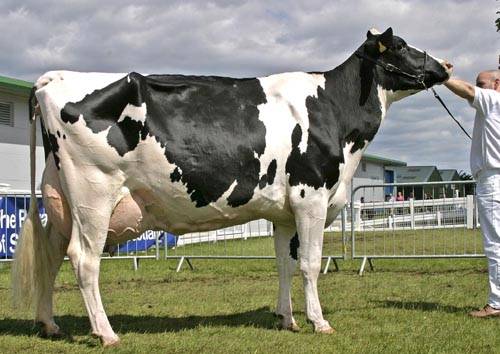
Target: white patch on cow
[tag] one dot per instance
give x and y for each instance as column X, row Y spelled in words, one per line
column 70, row 86
column 135, row 113
column 440, row 61
column 346, row 172
column 286, row 96
column 382, row 96
column 388, row 97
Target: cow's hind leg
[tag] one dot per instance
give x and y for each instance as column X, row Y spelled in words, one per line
column 285, row 244
column 44, row 309
column 310, row 216
column 88, row 237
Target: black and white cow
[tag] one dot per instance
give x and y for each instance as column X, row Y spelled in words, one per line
column 128, row 153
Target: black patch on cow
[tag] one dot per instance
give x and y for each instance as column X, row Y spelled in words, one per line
column 268, row 178
column 45, row 139
column 175, row 176
column 336, row 117
column 318, row 166
column 294, row 246
column 124, row 136
column 58, row 134
column 54, row 147
column 208, row 125
column 302, row 193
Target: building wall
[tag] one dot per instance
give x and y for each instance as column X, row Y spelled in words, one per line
column 374, row 174
column 14, row 146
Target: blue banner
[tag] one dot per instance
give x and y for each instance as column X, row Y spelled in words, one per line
column 147, row 240
column 14, row 210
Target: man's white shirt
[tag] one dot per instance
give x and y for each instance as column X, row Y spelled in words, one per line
column 485, row 148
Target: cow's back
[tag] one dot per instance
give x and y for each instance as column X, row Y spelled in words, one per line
column 207, row 151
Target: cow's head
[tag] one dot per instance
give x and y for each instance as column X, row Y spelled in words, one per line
column 398, row 67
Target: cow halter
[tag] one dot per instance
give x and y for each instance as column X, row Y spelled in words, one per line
column 419, row 79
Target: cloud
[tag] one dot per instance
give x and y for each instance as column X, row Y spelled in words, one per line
column 254, row 38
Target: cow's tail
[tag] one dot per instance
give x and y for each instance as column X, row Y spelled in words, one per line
column 31, row 266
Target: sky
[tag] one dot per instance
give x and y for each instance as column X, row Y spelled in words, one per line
column 257, row 38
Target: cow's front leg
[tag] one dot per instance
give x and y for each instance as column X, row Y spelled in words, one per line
column 310, row 216
column 285, row 245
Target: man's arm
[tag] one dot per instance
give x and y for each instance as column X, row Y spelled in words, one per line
column 461, row 88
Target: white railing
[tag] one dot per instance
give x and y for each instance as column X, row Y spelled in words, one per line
column 414, row 214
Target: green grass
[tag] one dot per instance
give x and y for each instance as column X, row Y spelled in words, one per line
column 226, row 306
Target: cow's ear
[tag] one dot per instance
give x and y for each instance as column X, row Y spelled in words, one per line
column 385, row 40
column 372, row 32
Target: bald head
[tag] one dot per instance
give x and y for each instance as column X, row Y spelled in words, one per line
column 489, row 79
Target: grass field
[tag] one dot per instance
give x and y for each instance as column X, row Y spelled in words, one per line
column 226, row 306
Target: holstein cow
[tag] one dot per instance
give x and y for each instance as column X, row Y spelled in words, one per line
column 127, row 153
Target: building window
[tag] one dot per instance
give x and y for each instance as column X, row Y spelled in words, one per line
column 363, row 166
column 6, row 114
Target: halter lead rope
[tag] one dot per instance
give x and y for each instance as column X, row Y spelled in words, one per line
column 451, row 115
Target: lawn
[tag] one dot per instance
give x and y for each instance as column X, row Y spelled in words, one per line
column 226, row 306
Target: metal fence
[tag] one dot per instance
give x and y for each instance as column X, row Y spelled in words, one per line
column 433, row 220
column 252, row 240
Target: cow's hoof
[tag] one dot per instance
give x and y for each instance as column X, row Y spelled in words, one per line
column 50, row 331
column 325, row 330
column 293, row 327
column 110, row 341
column 287, row 325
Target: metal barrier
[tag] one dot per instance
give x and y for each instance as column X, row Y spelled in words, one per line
column 434, row 220
column 252, row 240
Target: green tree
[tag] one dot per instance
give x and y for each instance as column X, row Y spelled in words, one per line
column 467, row 188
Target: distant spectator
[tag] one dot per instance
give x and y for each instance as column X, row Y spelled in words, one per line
column 399, row 197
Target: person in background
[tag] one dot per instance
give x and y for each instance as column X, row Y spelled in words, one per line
column 485, row 167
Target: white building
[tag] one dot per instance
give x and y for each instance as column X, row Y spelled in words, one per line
column 14, row 135
column 374, row 170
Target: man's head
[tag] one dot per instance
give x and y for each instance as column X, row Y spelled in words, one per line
column 489, row 79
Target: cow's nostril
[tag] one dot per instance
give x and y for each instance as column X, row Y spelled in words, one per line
column 448, row 65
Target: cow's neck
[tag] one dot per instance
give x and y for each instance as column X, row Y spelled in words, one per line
column 356, row 102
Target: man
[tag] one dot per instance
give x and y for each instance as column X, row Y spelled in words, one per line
column 485, row 166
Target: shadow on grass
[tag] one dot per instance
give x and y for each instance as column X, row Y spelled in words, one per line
column 80, row 325
column 422, row 306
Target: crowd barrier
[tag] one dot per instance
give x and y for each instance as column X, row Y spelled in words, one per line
column 252, row 240
column 428, row 220
column 433, row 220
